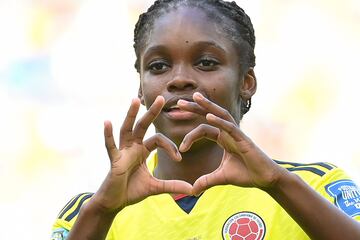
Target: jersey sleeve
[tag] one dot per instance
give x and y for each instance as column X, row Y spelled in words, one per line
column 331, row 182
column 338, row 188
column 67, row 216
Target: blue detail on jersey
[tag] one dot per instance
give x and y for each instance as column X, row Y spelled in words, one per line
column 69, row 205
column 60, row 234
column 322, row 164
column 310, row 169
column 76, row 211
column 187, row 203
column 346, row 195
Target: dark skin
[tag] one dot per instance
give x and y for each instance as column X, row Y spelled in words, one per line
column 177, row 67
column 183, row 61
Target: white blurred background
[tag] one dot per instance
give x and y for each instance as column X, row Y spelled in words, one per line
column 66, row 66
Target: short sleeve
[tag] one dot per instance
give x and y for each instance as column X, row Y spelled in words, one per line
column 67, row 216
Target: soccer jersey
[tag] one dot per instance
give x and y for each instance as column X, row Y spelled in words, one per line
column 222, row 212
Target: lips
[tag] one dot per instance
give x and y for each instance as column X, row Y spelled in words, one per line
column 171, row 103
column 173, row 111
column 172, row 108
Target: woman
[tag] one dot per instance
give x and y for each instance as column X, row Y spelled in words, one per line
column 196, row 64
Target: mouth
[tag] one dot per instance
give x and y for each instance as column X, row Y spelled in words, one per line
column 173, row 111
column 171, row 103
column 172, row 108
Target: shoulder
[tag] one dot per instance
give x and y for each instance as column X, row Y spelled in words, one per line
column 70, row 211
column 317, row 169
column 331, row 182
column 317, row 174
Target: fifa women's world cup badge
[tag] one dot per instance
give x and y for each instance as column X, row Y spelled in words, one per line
column 244, row 226
column 346, row 196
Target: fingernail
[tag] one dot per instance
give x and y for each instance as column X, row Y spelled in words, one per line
column 210, row 115
column 179, row 155
column 181, row 101
column 181, row 147
column 198, row 95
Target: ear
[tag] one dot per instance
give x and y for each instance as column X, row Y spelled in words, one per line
column 140, row 95
column 249, row 84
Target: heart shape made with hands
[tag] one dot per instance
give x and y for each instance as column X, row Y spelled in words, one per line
column 242, row 164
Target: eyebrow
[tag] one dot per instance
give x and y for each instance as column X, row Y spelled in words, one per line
column 209, row 44
column 156, row 48
column 199, row 44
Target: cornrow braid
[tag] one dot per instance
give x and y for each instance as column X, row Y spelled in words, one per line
column 240, row 30
column 239, row 16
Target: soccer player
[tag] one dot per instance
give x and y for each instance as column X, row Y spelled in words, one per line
column 206, row 179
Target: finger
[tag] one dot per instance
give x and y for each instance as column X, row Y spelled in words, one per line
column 209, row 180
column 170, row 186
column 232, row 129
column 201, row 131
column 191, row 107
column 127, row 126
column 212, row 107
column 159, row 140
column 109, row 139
column 144, row 122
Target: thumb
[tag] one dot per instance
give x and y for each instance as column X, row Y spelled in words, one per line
column 209, row 180
column 170, row 186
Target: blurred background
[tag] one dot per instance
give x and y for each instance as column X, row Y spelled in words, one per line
column 67, row 65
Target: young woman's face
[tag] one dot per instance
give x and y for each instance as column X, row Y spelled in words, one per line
column 187, row 53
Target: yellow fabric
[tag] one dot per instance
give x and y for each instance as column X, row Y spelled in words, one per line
column 68, row 214
column 159, row 217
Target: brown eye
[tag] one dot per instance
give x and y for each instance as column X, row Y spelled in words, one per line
column 157, row 67
column 207, row 64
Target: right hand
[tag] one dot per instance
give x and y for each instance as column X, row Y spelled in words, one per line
column 129, row 180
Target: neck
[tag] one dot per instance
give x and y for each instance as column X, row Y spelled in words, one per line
column 203, row 158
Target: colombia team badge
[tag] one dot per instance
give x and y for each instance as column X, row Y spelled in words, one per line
column 244, row 226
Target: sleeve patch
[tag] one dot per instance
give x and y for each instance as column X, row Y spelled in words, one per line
column 59, row 234
column 346, row 196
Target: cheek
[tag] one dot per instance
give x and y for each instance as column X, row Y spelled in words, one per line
column 150, row 92
column 225, row 93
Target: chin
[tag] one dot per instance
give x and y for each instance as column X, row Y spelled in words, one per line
column 176, row 130
column 176, row 134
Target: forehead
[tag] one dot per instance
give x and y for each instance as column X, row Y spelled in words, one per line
column 188, row 25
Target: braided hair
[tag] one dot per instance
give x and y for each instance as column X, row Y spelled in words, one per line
column 240, row 30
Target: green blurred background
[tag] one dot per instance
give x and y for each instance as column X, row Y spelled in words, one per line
column 66, row 66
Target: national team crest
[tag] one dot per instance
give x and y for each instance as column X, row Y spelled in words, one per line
column 244, row 226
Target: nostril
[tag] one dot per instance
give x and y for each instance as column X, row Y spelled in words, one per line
column 181, row 85
column 189, row 86
column 181, row 88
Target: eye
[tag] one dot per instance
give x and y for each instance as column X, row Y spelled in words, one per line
column 158, row 66
column 207, row 64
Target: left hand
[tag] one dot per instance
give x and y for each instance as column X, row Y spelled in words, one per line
column 243, row 163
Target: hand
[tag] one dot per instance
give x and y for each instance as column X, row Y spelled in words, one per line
column 243, row 163
column 129, row 180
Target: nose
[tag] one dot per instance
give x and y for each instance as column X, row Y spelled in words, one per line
column 181, row 81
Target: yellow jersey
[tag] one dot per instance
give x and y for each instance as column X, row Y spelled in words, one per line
column 222, row 212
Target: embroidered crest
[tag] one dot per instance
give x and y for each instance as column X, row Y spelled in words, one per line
column 244, row 226
column 346, row 196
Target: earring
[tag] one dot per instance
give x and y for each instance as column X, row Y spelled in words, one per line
column 245, row 106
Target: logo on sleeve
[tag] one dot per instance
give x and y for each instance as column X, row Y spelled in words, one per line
column 244, row 226
column 346, row 195
column 60, row 234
